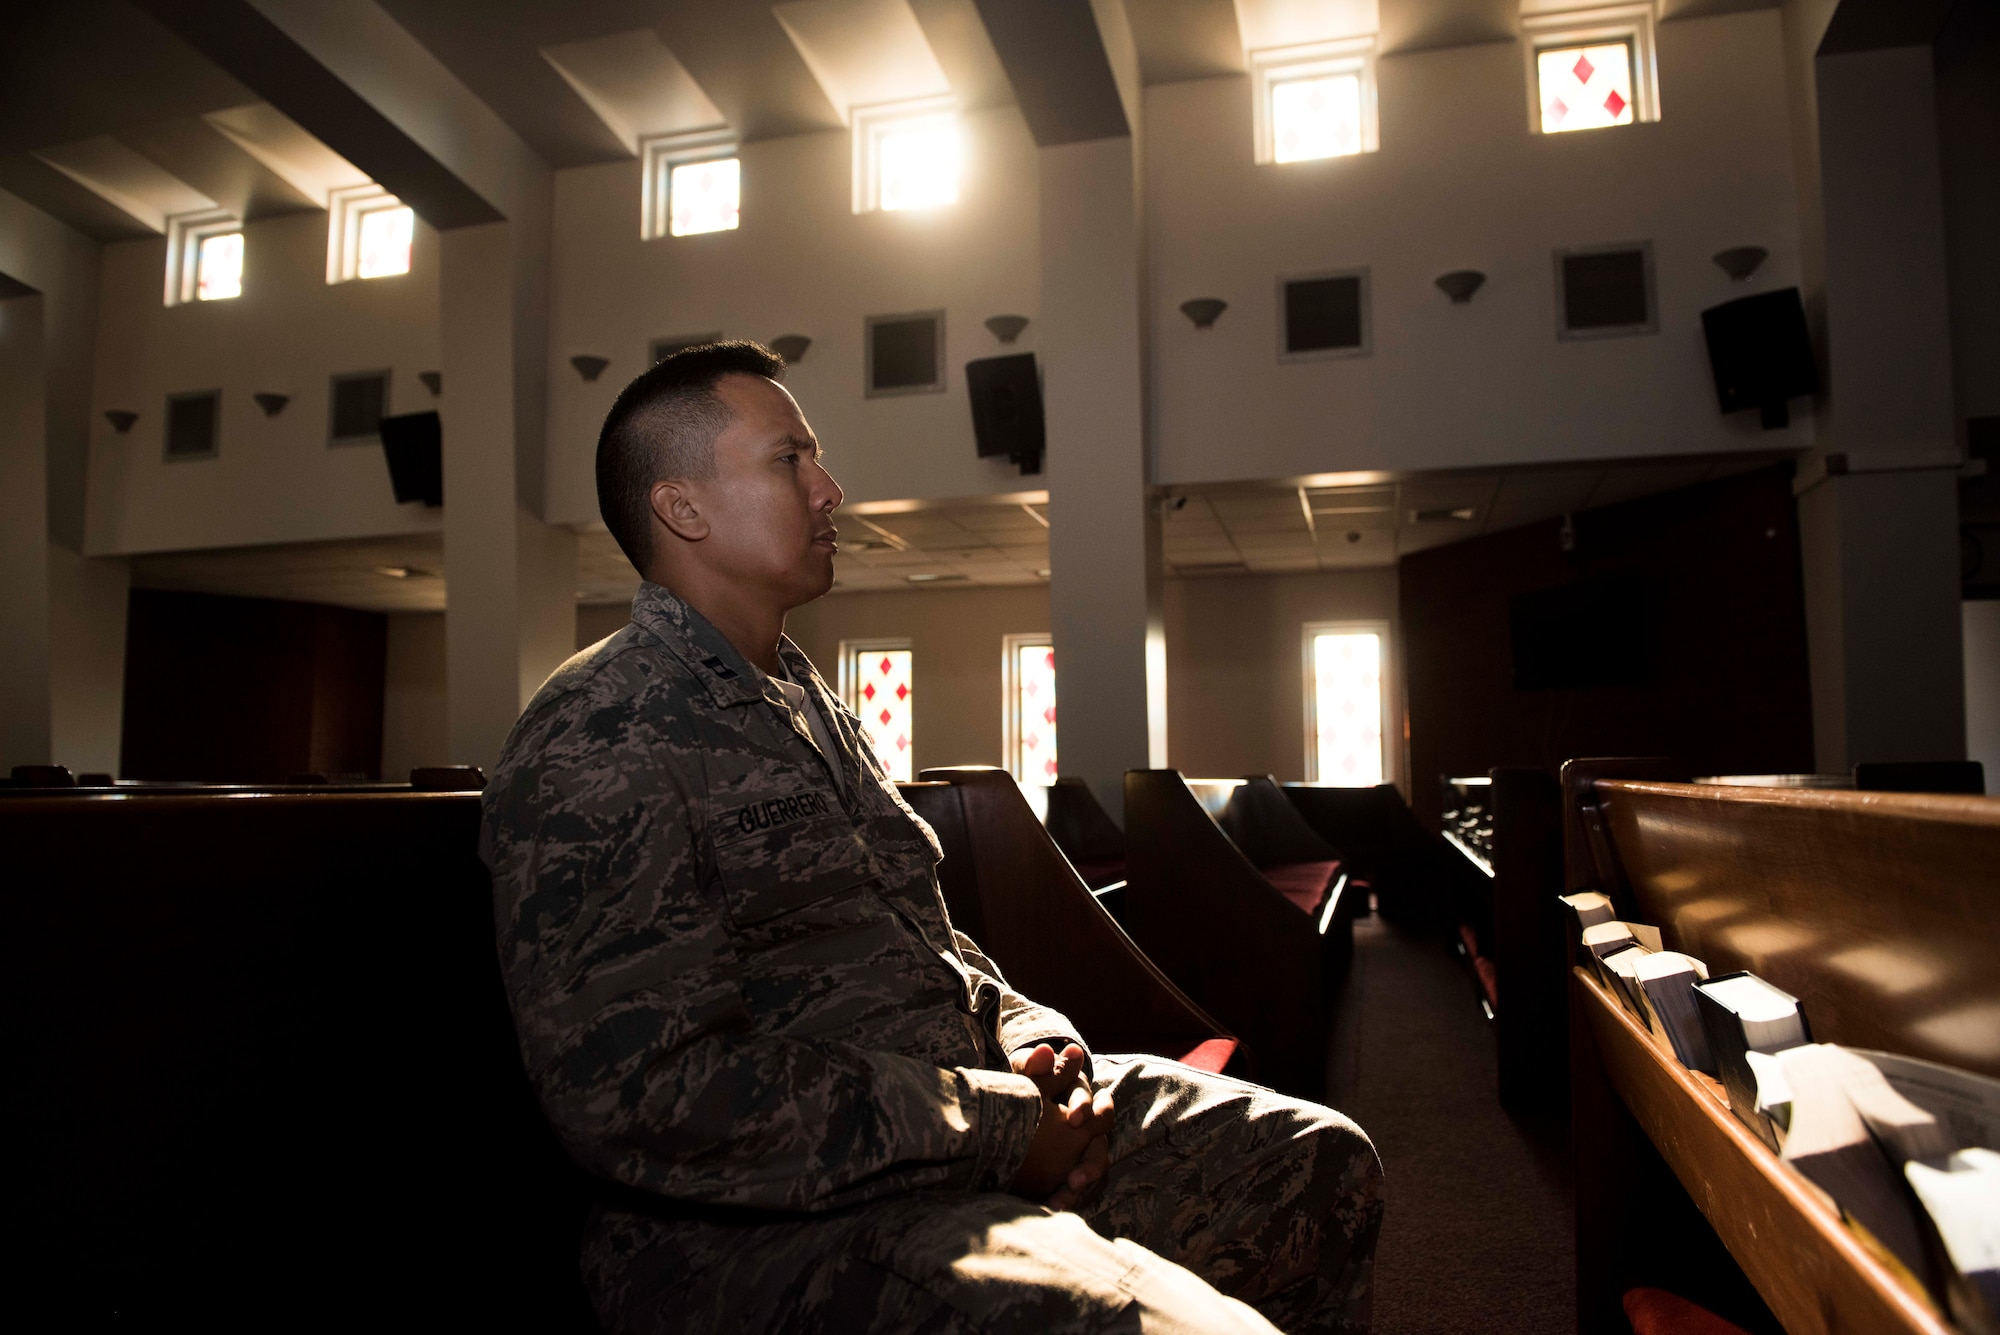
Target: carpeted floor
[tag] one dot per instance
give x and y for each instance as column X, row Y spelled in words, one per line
column 1477, row 1236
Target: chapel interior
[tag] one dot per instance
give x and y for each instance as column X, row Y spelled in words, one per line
column 1444, row 455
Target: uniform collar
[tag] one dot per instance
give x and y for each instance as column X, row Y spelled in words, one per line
column 730, row 677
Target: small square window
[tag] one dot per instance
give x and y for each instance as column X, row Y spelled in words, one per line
column 1315, row 101
column 386, row 235
column 204, row 257
column 219, row 267
column 905, row 354
column 1325, row 315
column 356, row 405
column 193, row 424
column 705, row 196
column 693, row 183
column 1591, row 70
column 906, row 156
column 369, row 234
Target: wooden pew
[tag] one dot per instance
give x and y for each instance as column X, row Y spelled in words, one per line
column 1085, row 832
column 1875, row 909
column 1010, row 889
column 1417, row 879
column 1302, row 866
column 1207, row 916
column 264, row 1070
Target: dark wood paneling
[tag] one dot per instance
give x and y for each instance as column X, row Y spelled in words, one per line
column 1727, row 688
column 251, row 690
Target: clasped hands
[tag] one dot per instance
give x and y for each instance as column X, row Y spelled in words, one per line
column 1072, row 1144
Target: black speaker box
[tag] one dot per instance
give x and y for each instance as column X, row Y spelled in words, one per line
column 1760, row 353
column 1006, row 394
column 414, row 446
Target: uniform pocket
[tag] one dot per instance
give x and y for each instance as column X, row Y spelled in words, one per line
column 779, row 855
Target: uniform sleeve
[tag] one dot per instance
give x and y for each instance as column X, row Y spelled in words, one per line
column 628, row 996
column 1023, row 1023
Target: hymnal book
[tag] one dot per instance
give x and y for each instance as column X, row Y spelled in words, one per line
column 1961, row 1194
column 1741, row 1013
column 1604, row 939
column 1588, row 909
column 1967, row 1105
column 1831, row 1146
column 1666, row 980
column 1622, row 971
column 1774, row 1096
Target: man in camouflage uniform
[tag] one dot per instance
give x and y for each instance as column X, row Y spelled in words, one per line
column 818, row 1107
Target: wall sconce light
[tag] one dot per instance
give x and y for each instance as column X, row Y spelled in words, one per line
column 589, row 367
column 1739, row 262
column 1006, row 328
column 121, row 421
column 1460, row 284
column 792, row 347
column 1204, row 311
column 272, row 404
column 433, row 381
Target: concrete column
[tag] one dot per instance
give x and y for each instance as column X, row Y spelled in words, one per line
column 24, row 538
column 1878, row 506
column 1104, row 582
column 510, row 580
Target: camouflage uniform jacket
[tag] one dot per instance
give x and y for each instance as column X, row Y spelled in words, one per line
column 734, row 979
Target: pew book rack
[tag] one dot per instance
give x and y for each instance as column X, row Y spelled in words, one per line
column 1815, row 1275
column 1875, row 910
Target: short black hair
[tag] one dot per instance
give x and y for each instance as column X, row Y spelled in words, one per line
column 664, row 425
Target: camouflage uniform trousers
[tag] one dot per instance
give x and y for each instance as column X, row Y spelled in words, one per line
column 1226, row 1207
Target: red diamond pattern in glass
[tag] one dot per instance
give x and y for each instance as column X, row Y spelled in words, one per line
column 1034, row 711
column 1614, row 104
column 885, row 688
column 1583, row 69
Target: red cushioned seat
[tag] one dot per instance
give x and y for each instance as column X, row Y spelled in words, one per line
column 1210, row 1055
column 1657, row 1312
column 1304, row 883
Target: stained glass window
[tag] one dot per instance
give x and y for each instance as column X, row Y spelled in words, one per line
column 1345, row 699
column 877, row 683
column 385, row 236
column 1585, row 87
column 1032, row 710
column 219, row 267
column 705, row 196
column 1316, row 118
column 918, row 163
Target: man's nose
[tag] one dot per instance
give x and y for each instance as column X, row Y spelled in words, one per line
column 828, row 494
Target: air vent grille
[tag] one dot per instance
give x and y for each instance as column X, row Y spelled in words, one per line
column 905, row 353
column 357, row 404
column 192, row 424
column 1325, row 315
column 1606, row 292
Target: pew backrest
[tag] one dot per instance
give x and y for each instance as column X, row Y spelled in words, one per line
column 1880, row 911
column 1017, row 896
column 263, row 1051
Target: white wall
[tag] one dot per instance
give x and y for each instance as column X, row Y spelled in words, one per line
column 801, row 263
column 1460, row 182
column 1982, row 688
column 274, row 479
column 1236, row 685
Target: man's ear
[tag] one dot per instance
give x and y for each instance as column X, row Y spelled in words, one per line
column 675, row 505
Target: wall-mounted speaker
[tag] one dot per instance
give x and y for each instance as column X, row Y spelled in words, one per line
column 1006, row 395
column 193, row 424
column 413, row 443
column 355, row 404
column 1761, row 354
